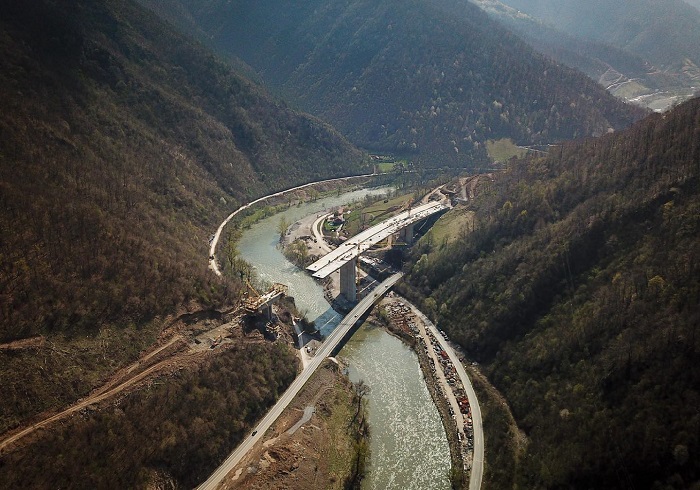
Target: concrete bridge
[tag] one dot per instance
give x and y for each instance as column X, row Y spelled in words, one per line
column 344, row 258
column 332, row 344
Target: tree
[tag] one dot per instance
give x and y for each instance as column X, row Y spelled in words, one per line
column 282, row 227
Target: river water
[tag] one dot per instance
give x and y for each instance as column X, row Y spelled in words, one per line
column 408, row 446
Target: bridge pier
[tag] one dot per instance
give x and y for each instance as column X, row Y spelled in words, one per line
column 406, row 234
column 267, row 311
column 348, row 285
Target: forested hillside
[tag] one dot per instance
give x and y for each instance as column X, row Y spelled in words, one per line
column 578, row 291
column 425, row 79
column 122, row 146
column 644, row 52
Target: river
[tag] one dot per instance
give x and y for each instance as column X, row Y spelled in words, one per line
column 408, row 446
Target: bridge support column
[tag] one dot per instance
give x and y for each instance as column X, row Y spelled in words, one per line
column 348, row 286
column 267, row 311
column 406, row 234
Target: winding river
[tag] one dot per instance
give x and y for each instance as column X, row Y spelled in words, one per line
column 408, row 445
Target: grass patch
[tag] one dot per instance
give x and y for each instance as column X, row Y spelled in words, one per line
column 385, row 167
column 451, row 225
column 504, row 149
column 340, row 448
column 363, row 217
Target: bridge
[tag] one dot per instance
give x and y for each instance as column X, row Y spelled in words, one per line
column 263, row 303
column 331, row 345
column 344, row 258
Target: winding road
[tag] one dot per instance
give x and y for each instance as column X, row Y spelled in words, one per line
column 213, row 265
column 328, row 347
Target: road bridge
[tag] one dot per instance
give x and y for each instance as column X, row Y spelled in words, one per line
column 344, row 258
column 332, row 343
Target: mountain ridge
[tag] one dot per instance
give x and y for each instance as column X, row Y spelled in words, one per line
column 580, row 286
column 412, row 78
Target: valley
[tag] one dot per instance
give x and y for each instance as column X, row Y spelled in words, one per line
column 625, row 49
column 165, row 164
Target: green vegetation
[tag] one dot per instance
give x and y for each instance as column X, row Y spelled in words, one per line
column 578, row 293
column 504, row 149
column 364, row 215
column 179, row 428
column 451, row 226
column 366, row 67
column 385, row 167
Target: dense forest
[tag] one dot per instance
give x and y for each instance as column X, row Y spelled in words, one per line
column 172, row 431
column 429, row 80
column 122, row 147
column 578, row 292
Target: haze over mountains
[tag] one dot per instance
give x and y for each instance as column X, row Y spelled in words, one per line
column 644, row 51
column 426, row 79
column 124, row 143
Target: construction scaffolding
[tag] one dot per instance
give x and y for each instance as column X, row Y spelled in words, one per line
column 255, row 302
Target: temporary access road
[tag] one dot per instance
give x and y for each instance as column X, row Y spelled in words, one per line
column 332, row 342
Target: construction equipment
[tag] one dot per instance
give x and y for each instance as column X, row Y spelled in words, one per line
column 253, row 304
column 253, row 290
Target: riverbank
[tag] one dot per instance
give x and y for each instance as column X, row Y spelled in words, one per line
column 443, row 385
column 409, row 448
column 318, row 441
column 300, row 193
column 398, row 319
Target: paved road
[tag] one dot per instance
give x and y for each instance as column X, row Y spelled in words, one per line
column 477, row 472
column 329, row 345
column 363, row 241
column 213, row 265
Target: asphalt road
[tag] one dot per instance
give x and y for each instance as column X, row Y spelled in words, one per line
column 328, row 347
column 213, row 264
column 477, row 472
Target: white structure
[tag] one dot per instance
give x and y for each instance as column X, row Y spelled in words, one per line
column 345, row 256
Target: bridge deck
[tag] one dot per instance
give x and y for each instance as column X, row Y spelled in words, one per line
column 361, row 242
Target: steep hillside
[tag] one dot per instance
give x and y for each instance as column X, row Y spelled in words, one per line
column 112, row 126
column 644, row 52
column 122, row 146
column 665, row 32
column 578, row 292
column 430, row 80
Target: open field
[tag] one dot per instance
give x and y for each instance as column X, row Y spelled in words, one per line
column 364, row 217
column 450, row 226
column 503, row 149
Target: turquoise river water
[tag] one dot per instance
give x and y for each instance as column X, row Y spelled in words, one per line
column 408, row 446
